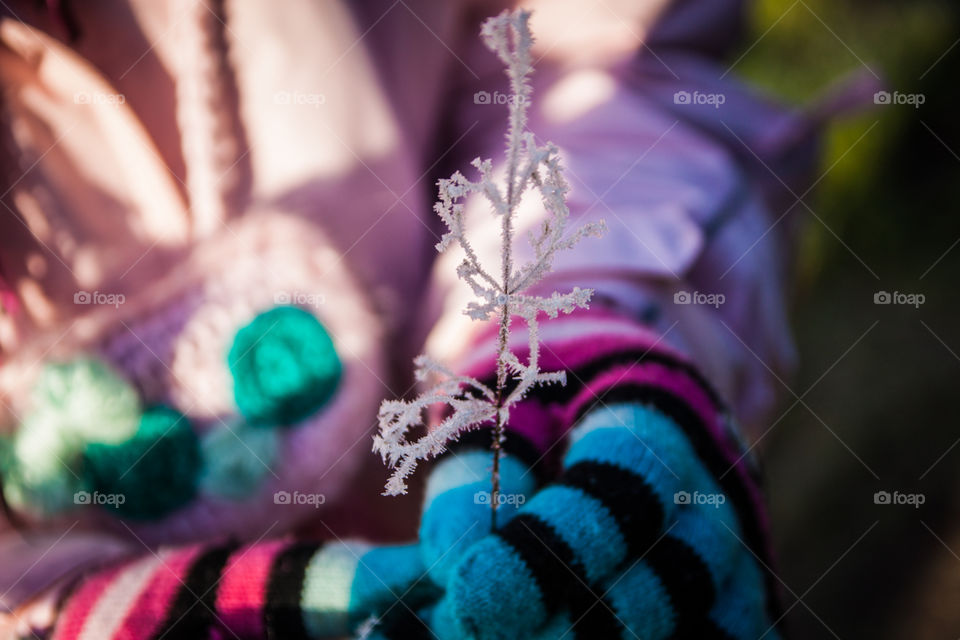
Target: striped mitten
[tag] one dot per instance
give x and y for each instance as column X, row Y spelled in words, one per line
column 276, row 590
column 651, row 527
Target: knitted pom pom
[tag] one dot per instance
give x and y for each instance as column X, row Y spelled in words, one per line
column 42, row 468
column 85, row 399
column 236, row 459
column 151, row 474
column 284, row 367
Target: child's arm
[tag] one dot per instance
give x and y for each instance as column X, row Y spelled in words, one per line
column 269, row 589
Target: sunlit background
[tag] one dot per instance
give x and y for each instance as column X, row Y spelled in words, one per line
column 878, row 384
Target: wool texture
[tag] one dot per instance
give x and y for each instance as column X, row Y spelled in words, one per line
column 285, row 589
column 151, row 474
column 237, row 458
column 284, row 367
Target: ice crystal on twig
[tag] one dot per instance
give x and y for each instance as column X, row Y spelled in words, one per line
column 469, row 403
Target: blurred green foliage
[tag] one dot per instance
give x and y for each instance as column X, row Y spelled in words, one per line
column 878, row 383
column 870, row 197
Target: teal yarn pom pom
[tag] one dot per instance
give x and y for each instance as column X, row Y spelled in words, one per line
column 236, row 459
column 84, row 399
column 284, row 367
column 151, row 474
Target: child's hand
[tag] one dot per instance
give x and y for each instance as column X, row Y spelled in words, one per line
column 650, row 524
column 633, row 533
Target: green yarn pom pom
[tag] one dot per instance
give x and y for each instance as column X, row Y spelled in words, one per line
column 84, row 399
column 284, row 367
column 151, row 474
column 72, row 403
column 42, row 469
column 236, row 459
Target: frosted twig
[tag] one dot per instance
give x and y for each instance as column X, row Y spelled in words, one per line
column 469, row 404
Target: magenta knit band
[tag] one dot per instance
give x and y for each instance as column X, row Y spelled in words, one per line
column 243, row 588
column 115, row 604
column 190, row 592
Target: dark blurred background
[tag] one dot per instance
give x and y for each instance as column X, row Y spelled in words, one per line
column 877, row 386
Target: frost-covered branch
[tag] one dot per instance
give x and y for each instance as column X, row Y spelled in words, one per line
column 468, row 404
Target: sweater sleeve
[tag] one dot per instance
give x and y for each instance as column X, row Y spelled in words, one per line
column 268, row 589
